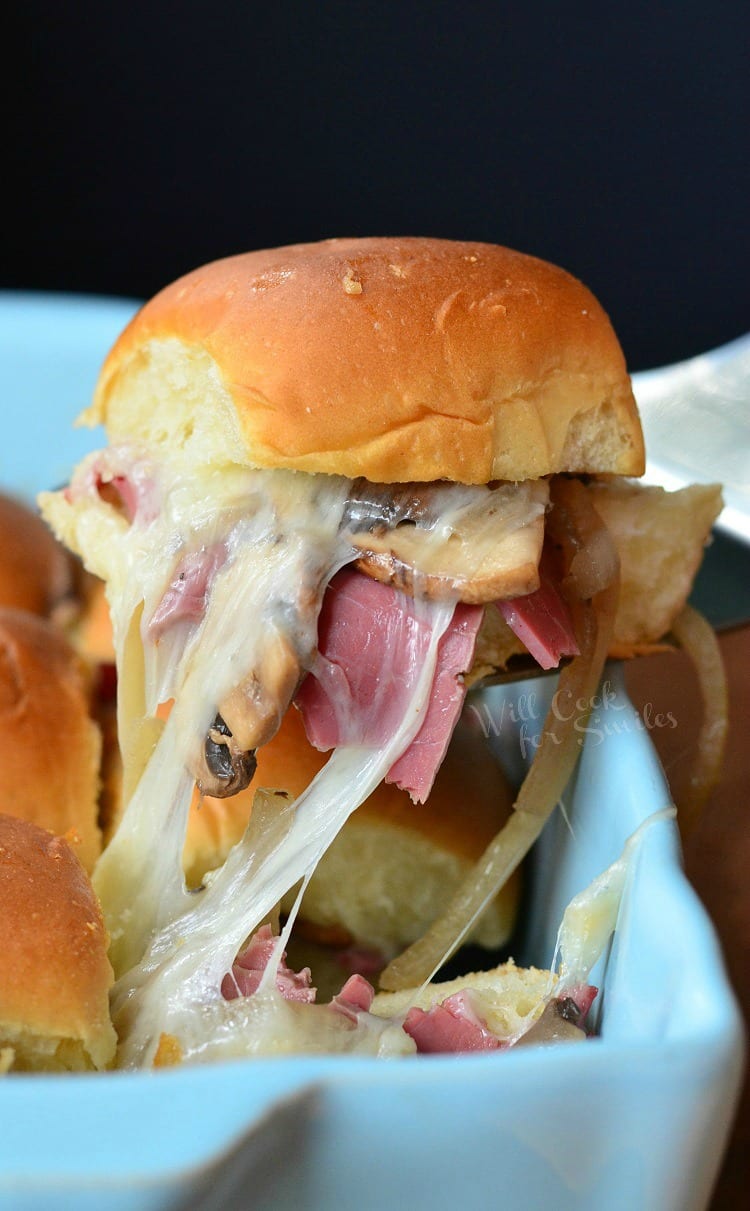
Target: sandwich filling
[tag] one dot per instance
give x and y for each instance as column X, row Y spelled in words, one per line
column 234, row 593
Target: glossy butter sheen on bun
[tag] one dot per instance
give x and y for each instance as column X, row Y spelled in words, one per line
column 392, row 359
column 37, row 573
column 54, row 990
column 50, row 747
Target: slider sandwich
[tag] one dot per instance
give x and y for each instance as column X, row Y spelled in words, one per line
column 59, row 759
column 54, row 990
column 349, row 480
column 50, row 741
column 37, row 573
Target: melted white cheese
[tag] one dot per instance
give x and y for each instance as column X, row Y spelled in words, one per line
column 284, row 539
column 281, row 532
column 265, row 1024
column 179, row 977
column 590, row 918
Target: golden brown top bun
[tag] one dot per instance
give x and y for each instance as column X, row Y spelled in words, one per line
column 54, row 991
column 50, row 748
column 36, row 572
column 393, row 359
column 388, row 873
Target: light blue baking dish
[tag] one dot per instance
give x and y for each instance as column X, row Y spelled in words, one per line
column 636, row 1118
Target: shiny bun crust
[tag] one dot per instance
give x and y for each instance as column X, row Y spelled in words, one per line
column 54, row 991
column 36, row 571
column 394, row 359
column 50, row 749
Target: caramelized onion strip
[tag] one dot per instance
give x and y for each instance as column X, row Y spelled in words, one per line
column 697, row 638
column 577, row 529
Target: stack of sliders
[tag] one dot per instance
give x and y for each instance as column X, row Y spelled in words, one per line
column 345, row 482
column 56, row 977
column 58, row 746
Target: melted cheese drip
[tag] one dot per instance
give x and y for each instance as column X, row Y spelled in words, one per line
column 281, row 532
column 479, row 536
column 284, row 538
column 178, row 980
column 265, row 1025
column 590, row 918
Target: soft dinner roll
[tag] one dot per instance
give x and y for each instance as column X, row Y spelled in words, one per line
column 54, row 989
column 511, row 998
column 36, row 572
column 394, row 359
column 50, row 747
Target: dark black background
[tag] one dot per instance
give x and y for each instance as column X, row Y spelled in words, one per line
column 144, row 139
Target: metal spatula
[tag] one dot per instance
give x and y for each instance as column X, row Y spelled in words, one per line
column 696, row 420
